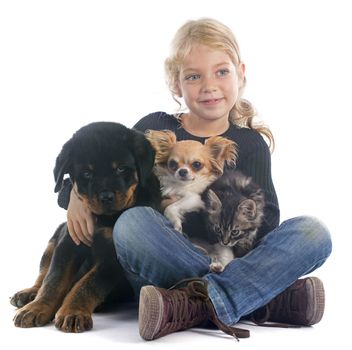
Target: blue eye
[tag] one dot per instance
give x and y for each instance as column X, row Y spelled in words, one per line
column 222, row 72
column 192, row 77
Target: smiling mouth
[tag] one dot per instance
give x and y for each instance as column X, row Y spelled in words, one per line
column 211, row 101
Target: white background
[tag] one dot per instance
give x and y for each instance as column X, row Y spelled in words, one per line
column 66, row 63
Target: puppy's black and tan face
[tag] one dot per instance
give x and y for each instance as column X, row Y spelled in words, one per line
column 107, row 163
column 107, row 185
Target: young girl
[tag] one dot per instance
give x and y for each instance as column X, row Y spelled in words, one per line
column 206, row 70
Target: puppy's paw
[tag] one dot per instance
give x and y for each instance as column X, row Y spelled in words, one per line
column 23, row 297
column 34, row 314
column 73, row 321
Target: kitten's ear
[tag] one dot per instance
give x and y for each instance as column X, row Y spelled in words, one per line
column 247, row 209
column 213, row 202
column 162, row 142
column 222, row 151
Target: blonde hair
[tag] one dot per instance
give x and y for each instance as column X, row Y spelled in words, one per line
column 214, row 34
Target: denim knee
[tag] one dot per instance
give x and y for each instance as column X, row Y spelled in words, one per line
column 316, row 232
column 128, row 228
column 313, row 234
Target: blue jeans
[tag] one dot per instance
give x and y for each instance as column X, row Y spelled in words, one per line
column 153, row 253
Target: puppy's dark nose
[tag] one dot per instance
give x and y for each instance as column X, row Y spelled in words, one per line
column 106, row 197
column 183, row 172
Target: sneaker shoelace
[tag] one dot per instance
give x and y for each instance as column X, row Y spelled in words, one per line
column 191, row 305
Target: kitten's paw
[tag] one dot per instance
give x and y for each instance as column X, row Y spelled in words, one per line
column 216, row 267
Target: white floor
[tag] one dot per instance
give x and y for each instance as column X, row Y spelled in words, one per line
column 118, row 329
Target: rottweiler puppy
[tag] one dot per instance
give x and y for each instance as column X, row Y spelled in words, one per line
column 111, row 169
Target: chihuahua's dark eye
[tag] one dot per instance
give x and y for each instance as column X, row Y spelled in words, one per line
column 173, row 165
column 87, row 175
column 197, row 165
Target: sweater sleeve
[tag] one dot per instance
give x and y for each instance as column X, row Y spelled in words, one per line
column 155, row 121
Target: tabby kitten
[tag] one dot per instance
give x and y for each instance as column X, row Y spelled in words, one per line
column 234, row 212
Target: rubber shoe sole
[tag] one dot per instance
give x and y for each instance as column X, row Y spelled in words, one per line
column 150, row 314
column 315, row 310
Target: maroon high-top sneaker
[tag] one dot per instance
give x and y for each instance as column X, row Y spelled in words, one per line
column 164, row 311
column 301, row 304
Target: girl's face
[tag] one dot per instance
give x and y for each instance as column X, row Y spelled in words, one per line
column 209, row 83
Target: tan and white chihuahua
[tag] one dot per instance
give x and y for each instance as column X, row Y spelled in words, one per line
column 186, row 168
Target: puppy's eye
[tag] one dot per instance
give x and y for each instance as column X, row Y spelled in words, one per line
column 120, row 170
column 197, row 165
column 172, row 165
column 87, row 175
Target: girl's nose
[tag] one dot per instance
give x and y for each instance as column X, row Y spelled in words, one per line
column 208, row 85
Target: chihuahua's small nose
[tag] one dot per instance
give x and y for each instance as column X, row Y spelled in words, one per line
column 106, row 197
column 183, row 172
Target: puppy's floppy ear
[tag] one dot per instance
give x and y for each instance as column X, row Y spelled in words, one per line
column 62, row 165
column 222, row 151
column 162, row 142
column 144, row 155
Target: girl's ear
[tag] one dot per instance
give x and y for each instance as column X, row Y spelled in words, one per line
column 178, row 91
column 241, row 70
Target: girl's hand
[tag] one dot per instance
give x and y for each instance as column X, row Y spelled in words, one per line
column 80, row 220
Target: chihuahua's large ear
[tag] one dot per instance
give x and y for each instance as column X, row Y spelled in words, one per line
column 223, row 151
column 62, row 165
column 162, row 142
column 144, row 155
